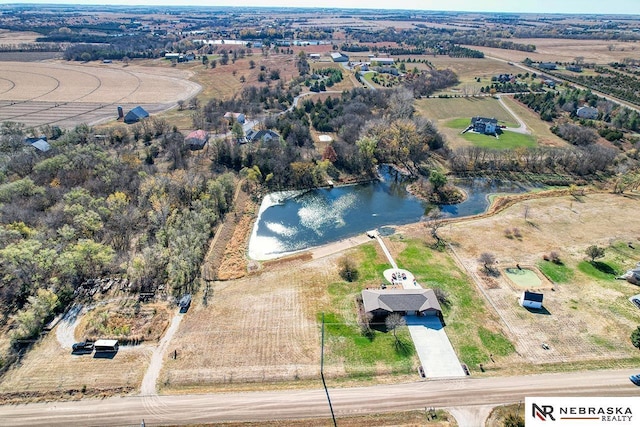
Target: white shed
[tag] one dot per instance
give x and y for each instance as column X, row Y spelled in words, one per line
column 531, row 300
column 106, row 345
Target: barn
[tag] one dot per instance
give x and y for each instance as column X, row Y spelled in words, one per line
column 136, row 115
column 339, row 57
column 40, row 143
column 531, row 300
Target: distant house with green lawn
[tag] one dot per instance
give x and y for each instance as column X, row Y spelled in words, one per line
column 484, row 125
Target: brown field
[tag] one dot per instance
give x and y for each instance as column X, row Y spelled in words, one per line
column 64, row 94
column 221, row 83
column 566, row 50
column 8, row 37
column 587, row 320
column 260, row 328
column 468, row 69
column 50, row 367
column 540, row 129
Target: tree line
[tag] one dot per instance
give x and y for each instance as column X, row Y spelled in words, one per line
column 551, row 105
column 580, row 161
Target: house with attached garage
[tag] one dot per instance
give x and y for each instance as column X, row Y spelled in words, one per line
column 382, row 302
column 262, row 136
column 484, row 125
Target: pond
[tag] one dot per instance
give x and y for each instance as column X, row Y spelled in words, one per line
column 292, row 221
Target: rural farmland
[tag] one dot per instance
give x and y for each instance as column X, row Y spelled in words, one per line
column 56, row 93
column 404, row 210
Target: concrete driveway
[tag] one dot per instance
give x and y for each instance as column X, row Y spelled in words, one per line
column 433, row 347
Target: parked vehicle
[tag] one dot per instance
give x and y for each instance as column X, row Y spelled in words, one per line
column 82, row 347
column 635, row 379
column 184, row 303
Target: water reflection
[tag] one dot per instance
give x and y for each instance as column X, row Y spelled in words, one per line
column 293, row 221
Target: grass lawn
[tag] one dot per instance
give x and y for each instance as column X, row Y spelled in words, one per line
column 459, row 123
column 471, row 328
column 557, row 273
column 598, row 270
column 437, row 109
column 363, row 355
column 507, row 140
column 369, row 77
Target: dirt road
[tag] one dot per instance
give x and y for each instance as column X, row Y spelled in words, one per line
column 467, row 393
column 65, row 332
column 155, row 366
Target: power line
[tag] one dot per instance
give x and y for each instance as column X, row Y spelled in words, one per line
column 322, row 374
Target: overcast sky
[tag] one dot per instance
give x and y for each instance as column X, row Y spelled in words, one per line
column 550, row 6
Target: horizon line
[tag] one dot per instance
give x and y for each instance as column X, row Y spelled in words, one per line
column 202, row 6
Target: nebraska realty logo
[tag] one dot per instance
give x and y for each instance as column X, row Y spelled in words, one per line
column 564, row 411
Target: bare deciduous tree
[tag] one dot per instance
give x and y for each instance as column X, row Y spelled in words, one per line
column 435, row 221
column 442, row 296
column 487, row 259
column 393, row 322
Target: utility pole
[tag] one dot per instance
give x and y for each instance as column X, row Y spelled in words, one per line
column 322, row 374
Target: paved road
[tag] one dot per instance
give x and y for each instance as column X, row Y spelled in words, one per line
column 462, row 394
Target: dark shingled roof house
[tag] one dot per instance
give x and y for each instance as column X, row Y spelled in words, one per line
column 381, row 302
